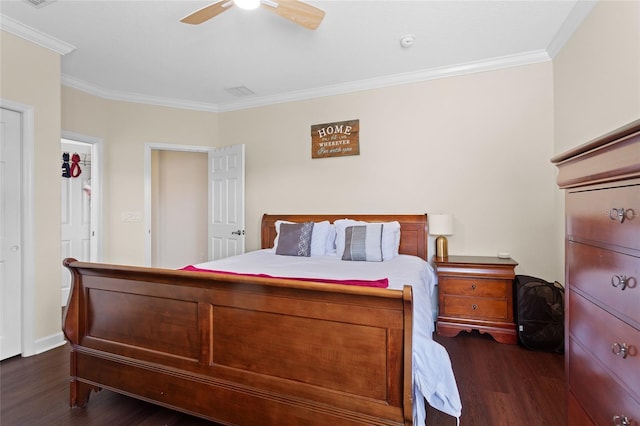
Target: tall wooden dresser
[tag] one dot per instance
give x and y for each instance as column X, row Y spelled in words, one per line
column 602, row 277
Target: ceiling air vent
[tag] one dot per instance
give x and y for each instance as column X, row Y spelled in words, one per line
column 239, row 91
column 39, row 3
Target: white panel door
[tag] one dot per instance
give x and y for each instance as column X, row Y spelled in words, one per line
column 226, row 218
column 75, row 223
column 10, row 238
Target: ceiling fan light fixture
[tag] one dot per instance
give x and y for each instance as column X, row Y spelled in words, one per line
column 247, row 4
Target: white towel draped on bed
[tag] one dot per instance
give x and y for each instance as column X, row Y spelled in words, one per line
column 433, row 376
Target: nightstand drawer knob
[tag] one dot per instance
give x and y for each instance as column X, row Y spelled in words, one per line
column 474, row 306
column 473, row 286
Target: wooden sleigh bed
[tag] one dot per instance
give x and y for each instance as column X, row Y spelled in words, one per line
column 246, row 350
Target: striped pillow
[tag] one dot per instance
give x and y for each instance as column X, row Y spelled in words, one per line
column 363, row 243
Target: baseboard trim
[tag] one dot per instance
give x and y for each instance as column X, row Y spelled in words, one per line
column 50, row 342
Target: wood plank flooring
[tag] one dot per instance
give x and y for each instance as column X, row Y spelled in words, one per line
column 503, row 384
column 499, row 385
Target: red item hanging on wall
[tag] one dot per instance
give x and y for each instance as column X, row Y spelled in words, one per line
column 75, row 166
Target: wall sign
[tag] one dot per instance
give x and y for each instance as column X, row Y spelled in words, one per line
column 337, row 139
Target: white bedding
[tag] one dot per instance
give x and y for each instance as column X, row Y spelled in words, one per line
column 433, row 376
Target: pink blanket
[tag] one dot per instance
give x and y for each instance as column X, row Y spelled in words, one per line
column 381, row 283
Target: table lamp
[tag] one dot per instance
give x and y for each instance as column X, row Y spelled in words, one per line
column 441, row 225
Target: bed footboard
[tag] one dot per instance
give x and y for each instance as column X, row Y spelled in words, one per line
column 241, row 350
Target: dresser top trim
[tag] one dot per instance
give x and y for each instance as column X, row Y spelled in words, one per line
column 614, row 156
column 619, row 133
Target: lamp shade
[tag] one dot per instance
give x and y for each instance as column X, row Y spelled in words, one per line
column 440, row 224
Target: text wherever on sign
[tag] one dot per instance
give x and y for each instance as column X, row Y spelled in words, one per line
column 335, row 139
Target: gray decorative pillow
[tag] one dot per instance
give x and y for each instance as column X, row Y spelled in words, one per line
column 363, row 243
column 294, row 239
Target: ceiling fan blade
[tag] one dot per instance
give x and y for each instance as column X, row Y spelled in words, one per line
column 296, row 11
column 207, row 12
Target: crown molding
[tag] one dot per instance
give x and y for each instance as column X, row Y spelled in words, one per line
column 19, row 29
column 578, row 14
column 319, row 92
column 393, row 80
column 113, row 95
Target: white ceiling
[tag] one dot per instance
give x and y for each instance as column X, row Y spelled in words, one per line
column 138, row 50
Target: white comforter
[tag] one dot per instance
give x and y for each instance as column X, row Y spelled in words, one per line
column 433, row 376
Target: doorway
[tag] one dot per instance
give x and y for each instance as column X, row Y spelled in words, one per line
column 179, row 208
column 224, row 220
column 163, row 164
column 75, row 208
column 81, row 196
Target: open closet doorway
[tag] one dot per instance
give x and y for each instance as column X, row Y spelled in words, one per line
column 80, row 203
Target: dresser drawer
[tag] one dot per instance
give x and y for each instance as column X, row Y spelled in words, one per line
column 589, row 216
column 600, row 395
column 592, row 270
column 598, row 331
column 477, row 287
column 475, row 307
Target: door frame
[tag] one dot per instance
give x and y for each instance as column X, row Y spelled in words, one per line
column 148, row 147
column 27, row 245
column 96, row 196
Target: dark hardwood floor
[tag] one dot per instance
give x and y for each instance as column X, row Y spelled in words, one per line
column 503, row 384
column 499, row 385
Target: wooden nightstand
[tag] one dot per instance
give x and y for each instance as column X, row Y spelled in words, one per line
column 476, row 293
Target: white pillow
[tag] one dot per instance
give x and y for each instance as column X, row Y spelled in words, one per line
column 390, row 236
column 319, row 237
column 330, row 249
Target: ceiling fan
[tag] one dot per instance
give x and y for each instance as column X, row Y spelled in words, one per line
column 295, row 11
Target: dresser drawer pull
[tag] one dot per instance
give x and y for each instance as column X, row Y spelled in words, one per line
column 473, row 286
column 474, row 306
column 620, row 349
column 621, row 214
column 619, row 281
column 621, row 421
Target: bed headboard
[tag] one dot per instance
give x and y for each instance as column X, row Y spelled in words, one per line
column 413, row 228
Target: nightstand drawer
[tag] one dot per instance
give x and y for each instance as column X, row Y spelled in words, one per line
column 475, row 287
column 476, row 293
column 474, row 307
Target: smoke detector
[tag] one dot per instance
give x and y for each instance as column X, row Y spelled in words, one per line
column 407, row 41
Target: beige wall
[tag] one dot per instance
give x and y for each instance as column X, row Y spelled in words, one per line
column 30, row 75
column 477, row 146
column 597, row 75
column 125, row 128
column 596, row 83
